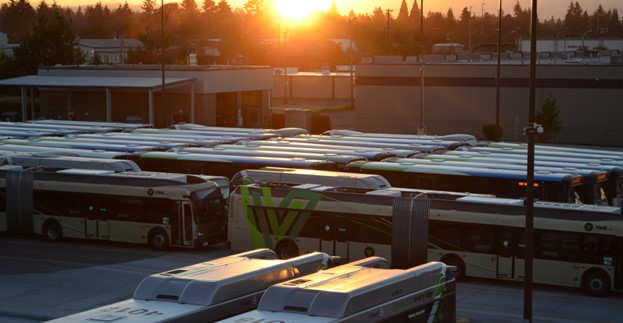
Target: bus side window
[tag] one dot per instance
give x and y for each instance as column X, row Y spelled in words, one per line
column 480, row 239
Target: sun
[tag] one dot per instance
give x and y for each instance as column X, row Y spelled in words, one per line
column 300, row 9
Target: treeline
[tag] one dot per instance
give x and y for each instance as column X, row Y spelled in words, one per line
column 252, row 34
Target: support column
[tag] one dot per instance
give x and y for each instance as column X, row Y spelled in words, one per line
column 24, row 103
column 151, row 106
column 108, row 105
column 192, row 102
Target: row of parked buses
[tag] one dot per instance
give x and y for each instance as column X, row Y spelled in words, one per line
column 588, row 237
column 306, row 288
column 297, row 211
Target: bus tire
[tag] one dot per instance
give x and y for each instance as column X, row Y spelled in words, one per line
column 454, row 260
column 596, row 283
column 52, row 231
column 158, row 239
column 286, row 249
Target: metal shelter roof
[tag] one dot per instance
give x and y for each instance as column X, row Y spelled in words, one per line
column 151, row 83
column 107, row 83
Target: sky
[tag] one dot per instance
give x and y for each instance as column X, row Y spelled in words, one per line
column 545, row 8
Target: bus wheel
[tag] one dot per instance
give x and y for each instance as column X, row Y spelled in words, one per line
column 458, row 264
column 158, row 239
column 596, row 283
column 286, row 249
column 52, row 231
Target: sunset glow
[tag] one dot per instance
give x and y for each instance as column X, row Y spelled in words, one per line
column 300, row 9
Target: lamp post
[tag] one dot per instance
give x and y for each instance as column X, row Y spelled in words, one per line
column 583, row 35
column 162, row 58
column 285, row 68
column 497, row 77
column 421, row 128
column 352, row 77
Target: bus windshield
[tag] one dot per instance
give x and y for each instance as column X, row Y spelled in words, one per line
column 208, row 207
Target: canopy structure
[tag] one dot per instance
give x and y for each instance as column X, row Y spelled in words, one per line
column 149, row 84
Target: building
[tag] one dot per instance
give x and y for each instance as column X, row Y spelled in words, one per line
column 211, row 95
column 109, row 51
column 461, row 98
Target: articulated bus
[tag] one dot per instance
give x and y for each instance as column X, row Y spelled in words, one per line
column 62, row 162
column 548, row 186
column 358, row 292
column 157, row 209
column 222, row 165
column 196, row 141
column 591, row 192
column 390, row 139
column 547, row 148
column 286, row 132
column 595, row 156
column 154, row 144
column 6, row 148
column 465, row 138
column 209, row 133
column 292, row 176
column 613, row 187
column 367, row 143
column 340, row 160
column 206, row 291
column 578, row 246
column 126, row 148
column 371, row 153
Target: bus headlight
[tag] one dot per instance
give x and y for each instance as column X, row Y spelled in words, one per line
column 199, row 234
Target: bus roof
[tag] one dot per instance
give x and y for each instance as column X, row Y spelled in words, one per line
column 349, row 293
column 205, row 291
column 55, row 161
column 465, row 171
column 303, row 176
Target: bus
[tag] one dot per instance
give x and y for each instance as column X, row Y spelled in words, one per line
column 157, row 209
column 468, row 139
column 208, row 133
column 126, row 148
column 290, row 176
column 191, row 141
column 6, row 148
column 576, row 245
column 548, row 186
column 361, row 293
column 341, row 160
column 370, row 153
column 222, row 165
column 448, row 142
column 206, row 291
column 613, row 187
column 62, row 162
column 284, row 132
column 594, row 155
column 360, row 142
column 591, row 192
column 548, row 148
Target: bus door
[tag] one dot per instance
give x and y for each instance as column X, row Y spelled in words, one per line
column 182, row 226
column 334, row 237
column 510, row 264
column 96, row 218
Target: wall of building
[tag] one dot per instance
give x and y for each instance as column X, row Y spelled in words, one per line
column 461, row 98
column 175, row 105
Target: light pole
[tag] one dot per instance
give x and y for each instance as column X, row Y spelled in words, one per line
column 162, row 59
column 497, row 133
column 352, row 76
column 421, row 129
column 583, row 35
column 285, row 68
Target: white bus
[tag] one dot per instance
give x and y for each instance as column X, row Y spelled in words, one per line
column 360, row 292
column 158, row 209
column 575, row 245
column 286, row 175
column 206, row 291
